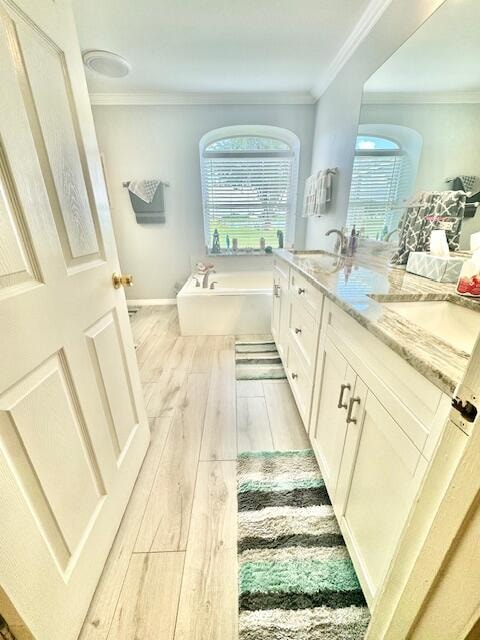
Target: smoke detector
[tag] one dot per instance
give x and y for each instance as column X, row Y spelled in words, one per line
column 106, row 63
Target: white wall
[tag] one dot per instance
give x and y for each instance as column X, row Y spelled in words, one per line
column 162, row 141
column 338, row 109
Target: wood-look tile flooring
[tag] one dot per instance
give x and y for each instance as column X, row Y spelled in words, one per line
column 172, row 570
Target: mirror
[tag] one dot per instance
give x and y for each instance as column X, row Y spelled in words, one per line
column 419, row 127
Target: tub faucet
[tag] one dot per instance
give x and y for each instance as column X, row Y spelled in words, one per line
column 212, row 284
column 205, row 270
column 206, row 275
column 341, row 243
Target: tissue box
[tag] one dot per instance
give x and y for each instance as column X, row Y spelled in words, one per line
column 434, row 267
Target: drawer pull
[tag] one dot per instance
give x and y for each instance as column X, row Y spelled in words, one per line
column 297, row 330
column 341, row 404
column 294, row 376
column 350, row 409
column 300, row 291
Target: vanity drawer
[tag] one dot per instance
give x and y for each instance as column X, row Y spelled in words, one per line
column 308, row 295
column 300, row 383
column 303, row 330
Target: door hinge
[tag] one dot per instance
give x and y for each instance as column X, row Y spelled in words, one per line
column 464, row 408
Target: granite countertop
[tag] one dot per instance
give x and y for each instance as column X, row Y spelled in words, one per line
column 360, row 284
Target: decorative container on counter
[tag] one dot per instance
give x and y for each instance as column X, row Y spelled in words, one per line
column 469, row 281
column 435, row 267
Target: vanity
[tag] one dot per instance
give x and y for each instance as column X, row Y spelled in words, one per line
column 373, row 387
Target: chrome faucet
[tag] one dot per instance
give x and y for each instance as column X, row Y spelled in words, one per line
column 341, row 243
column 205, row 270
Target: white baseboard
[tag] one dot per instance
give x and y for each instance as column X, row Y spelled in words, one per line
column 151, row 302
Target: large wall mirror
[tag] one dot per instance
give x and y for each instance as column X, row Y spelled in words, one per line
column 419, row 129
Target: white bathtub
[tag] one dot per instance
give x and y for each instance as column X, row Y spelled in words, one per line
column 240, row 303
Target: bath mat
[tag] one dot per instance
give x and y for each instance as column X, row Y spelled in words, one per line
column 258, row 360
column 296, row 579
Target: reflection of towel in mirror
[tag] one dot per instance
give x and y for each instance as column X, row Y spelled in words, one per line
column 144, row 189
column 471, row 185
column 318, row 193
column 431, row 210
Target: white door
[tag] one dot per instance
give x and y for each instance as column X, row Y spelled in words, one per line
column 73, row 430
column 337, row 380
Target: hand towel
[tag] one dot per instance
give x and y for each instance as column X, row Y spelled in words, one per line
column 318, row 193
column 144, row 189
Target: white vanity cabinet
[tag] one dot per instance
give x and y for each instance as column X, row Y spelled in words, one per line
column 373, row 420
column 372, row 444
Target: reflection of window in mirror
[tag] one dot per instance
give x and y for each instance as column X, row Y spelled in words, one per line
column 384, row 169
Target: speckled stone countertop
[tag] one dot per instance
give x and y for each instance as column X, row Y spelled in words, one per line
column 360, row 284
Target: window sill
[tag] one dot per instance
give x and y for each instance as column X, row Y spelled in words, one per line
column 240, row 253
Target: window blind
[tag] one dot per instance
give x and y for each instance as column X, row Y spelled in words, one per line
column 247, row 195
column 376, row 191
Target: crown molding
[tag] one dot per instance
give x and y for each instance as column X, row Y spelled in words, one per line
column 418, row 97
column 153, row 99
column 368, row 20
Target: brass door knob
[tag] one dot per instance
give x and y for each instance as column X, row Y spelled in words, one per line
column 120, row 280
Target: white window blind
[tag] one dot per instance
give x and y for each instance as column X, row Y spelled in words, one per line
column 376, row 191
column 247, row 194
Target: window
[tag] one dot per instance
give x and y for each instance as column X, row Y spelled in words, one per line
column 380, row 183
column 249, row 181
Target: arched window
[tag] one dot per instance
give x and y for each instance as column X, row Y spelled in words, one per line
column 381, row 182
column 249, row 184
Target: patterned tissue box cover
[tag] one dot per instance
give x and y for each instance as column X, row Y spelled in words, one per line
column 434, row 267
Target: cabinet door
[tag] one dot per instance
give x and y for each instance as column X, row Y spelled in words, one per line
column 283, row 319
column 380, row 472
column 275, row 323
column 337, row 380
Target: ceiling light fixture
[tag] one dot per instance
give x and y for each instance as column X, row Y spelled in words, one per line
column 106, row 63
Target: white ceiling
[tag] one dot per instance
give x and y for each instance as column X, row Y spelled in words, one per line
column 442, row 56
column 217, row 45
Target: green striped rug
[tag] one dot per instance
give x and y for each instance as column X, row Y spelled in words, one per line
column 258, row 360
column 296, row 579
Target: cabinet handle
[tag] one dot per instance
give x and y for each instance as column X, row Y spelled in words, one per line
column 300, row 291
column 297, row 330
column 294, row 375
column 350, row 409
column 341, row 404
column 276, row 289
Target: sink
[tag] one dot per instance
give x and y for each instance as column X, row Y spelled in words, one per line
column 453, row 323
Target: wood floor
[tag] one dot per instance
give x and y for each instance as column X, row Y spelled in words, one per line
column 172, row 571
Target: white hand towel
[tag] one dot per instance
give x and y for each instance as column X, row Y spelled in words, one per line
column 144, row 189
column 318, row 193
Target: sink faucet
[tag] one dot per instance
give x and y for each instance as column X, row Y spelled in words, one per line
column 341, row 243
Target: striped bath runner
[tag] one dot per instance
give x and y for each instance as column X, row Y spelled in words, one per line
column 296, row 579
column 258, row 359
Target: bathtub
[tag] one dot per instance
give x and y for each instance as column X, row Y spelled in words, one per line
column 240, row 303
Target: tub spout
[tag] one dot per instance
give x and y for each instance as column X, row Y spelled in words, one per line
column 212, row 284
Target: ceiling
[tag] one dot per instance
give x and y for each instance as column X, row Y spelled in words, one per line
column 442, row 56
column 217, row 46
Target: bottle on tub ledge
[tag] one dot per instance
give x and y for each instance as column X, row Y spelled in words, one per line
column 235, row 244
